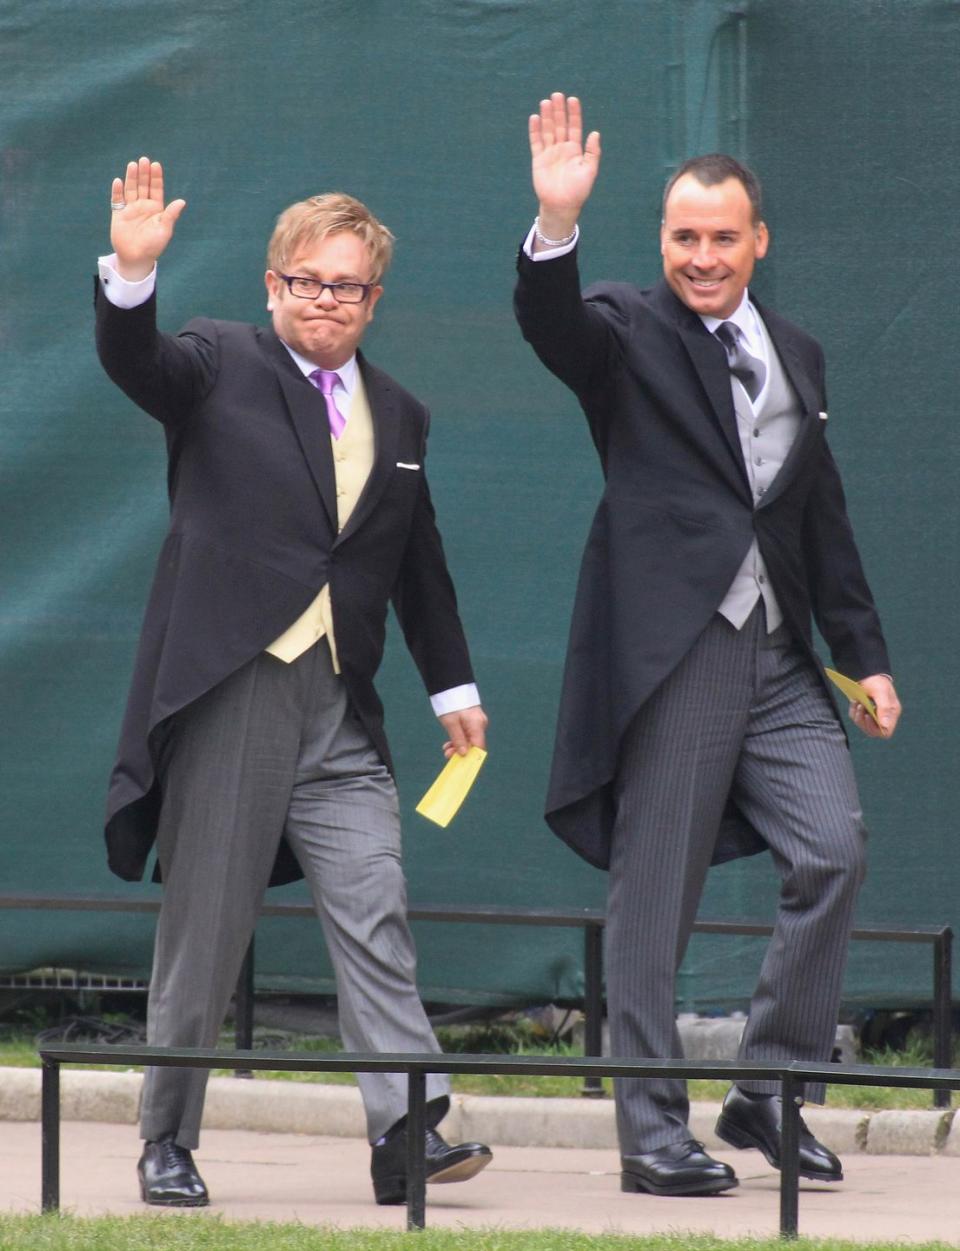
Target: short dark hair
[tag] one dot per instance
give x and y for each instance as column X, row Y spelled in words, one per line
column 717, row 167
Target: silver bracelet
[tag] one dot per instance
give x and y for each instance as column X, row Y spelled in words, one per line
column 552, row 243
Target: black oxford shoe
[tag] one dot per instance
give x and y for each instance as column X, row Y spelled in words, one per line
column 388, row 1164
column 168, row 1176
column 748, row 1122
column 683, row 1168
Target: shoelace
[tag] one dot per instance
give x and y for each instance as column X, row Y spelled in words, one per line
column 173, row 1156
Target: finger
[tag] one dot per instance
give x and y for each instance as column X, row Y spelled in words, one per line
column 547, row 127
column 173, row 210
column 592, row 148
column 143, row 178
column 574, row 120
column 458, row 739
column 559, row 104
column 536, row 135
column 116, row 191
column 130, row 182
column 156, row 181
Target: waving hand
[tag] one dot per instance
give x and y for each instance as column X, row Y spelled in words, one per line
column 564, row 168
column 141, row 225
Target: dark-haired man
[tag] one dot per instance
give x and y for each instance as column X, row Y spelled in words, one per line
column 695, row 723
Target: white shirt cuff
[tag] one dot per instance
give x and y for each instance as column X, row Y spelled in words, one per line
column 119, row 291
column 455, row 699
column 549, row 253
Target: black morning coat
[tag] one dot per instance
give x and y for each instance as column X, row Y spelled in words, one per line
column 675, row 521
column 253, row 538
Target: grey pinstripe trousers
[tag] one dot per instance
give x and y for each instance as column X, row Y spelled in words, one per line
column 276, row 749
column 743, row 714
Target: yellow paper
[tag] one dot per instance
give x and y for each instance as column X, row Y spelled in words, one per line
column 853, row 690
column 442, row 801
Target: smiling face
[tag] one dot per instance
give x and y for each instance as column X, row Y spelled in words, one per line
column 709, row 244
column 322, row 330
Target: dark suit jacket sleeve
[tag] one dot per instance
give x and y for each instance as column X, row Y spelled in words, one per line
column 840, row 598
column 576, row 339
column 425, row 601
column 165, row 375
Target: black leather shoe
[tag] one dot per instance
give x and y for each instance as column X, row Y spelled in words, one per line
column 388, row 1163
column 168, row 1176
column 683, row 1168
column 749, row 1122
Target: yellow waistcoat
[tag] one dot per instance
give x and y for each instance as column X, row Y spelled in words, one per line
column 352, row 462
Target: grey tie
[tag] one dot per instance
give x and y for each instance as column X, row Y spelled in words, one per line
column 751, row 371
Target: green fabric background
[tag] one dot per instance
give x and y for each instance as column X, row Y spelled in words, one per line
column 847, row 108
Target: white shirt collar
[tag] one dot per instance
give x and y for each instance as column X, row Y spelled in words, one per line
column 347, row 371
column 743, row 317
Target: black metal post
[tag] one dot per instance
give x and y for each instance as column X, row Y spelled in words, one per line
column 792, row 1099
column 592, row 1005
column 943, row 1009
column 416, row 1145
column 50, row 1131
column 243, row 1006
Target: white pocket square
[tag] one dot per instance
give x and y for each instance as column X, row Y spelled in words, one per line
column 822, row 416
column 403, row 465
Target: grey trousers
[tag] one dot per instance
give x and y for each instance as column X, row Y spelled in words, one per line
column 276, row 749
column 744, row 713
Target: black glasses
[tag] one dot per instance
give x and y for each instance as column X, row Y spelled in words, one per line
column 313, row 288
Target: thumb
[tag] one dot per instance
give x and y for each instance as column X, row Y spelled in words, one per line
column 173, row 211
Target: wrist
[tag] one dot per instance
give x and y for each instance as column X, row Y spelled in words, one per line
column 553, row 230
column 134, row 271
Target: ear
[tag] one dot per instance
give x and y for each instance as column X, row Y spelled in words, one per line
column 274, row 287
column 763, row 240
column 375, row 294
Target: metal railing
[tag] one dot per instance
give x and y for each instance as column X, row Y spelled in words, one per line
column 793, row 1078
column 590, row 920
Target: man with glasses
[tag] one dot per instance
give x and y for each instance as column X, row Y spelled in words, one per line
column 253, row 748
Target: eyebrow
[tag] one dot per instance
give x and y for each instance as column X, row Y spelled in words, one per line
column 307, row 271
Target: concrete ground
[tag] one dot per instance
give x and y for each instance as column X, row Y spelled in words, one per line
column 324, row 1181
column 274, row 1150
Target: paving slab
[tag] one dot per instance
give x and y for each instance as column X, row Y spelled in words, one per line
column 323, row 1181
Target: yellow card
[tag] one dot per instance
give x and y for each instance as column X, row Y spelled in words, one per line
column 853, row 690
column 442, row 801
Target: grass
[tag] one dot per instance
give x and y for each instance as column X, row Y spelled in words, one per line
column 18, row 1050
column 201, row 1233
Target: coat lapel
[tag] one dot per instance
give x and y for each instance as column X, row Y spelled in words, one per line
column 385, row 413
column 710, row 365
column 308, row 419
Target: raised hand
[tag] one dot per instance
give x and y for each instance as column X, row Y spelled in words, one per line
column 564, row 168
column 141, row 230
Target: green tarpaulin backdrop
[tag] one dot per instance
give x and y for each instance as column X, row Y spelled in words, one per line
column 847, row 108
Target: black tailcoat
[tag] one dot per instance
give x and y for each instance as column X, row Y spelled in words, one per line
column 676, row 520
column 253, row 538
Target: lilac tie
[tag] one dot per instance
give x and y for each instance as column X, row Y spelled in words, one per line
column 325, row 380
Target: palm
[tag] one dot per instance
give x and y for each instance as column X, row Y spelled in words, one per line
column 563, row 176
column 139, row 231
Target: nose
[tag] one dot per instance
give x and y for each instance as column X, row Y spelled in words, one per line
column 704, row 257
column 326, row 298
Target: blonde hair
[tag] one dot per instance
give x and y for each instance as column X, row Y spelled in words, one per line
column 309, row 221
